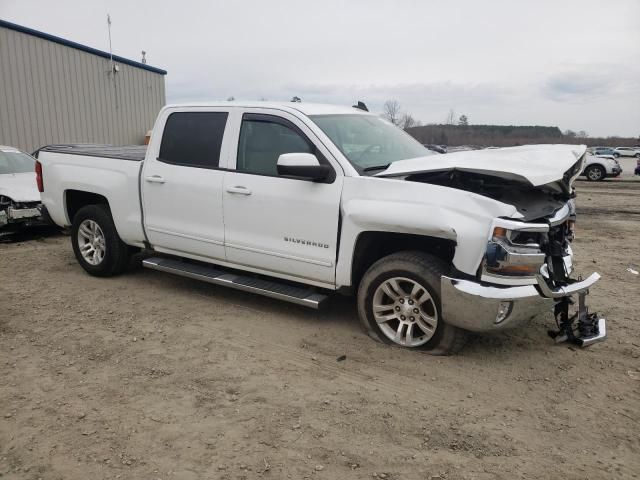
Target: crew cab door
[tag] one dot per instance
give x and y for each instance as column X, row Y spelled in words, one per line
column 182, row 182
column 284, row 225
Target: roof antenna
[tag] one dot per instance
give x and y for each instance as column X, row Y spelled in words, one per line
column 114, row 68
column 144, row 59
column 361, row 106
column 110, row 51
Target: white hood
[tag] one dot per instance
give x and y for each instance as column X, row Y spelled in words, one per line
column 20, row 187
column 536, row 164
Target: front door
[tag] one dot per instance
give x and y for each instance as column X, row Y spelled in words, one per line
column 283, row 225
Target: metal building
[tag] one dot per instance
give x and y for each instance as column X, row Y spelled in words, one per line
column 53, row 90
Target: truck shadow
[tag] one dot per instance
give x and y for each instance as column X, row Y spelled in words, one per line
column 339, row 318
column 29, row 234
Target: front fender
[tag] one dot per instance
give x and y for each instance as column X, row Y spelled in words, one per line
column 390, row 205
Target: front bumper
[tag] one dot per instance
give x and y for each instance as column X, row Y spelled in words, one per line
column 22, row 216
column 475, row 307
column 480, row 308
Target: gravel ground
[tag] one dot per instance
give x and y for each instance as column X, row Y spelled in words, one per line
column 151, row 376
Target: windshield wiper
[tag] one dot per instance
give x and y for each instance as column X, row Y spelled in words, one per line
column 376, row 167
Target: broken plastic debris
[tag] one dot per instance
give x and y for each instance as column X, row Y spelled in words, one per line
column 631, row 270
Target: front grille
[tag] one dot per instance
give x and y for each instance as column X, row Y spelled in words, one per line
column 556, row 248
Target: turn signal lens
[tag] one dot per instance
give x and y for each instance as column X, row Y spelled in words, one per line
column 499, row 232
column 515, row 269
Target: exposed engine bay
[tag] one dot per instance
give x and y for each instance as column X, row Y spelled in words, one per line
column 532, row 202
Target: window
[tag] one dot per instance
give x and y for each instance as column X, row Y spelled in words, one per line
column 263, row 140
column 193, row 139
column 13, row 161
column 369, row 142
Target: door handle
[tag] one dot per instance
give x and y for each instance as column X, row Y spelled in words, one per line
column 239, row 189
column 155, row 179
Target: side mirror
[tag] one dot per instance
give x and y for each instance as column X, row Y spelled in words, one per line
column 302, row 165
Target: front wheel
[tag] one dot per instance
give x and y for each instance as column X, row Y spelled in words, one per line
column 399, row 303
column 96, row 243
column 595, row 173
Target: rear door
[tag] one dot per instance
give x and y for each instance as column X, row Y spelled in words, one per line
column 284, row 225
column 182, row 182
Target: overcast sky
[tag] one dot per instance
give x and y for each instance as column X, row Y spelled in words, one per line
column 573, row 64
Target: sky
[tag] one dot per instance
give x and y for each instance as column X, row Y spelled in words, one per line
column 566, row 63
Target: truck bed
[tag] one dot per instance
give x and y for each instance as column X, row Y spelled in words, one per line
column 133, row 153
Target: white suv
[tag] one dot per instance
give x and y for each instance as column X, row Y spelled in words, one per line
column 627, row 152
column 599, row 167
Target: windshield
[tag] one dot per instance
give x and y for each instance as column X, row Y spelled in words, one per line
column 369, row 143
column 13, row 161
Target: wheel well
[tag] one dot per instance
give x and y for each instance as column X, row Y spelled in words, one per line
column 372, row 246
column 76, row 199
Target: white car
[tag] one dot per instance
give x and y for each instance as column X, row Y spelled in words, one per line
column 599, row 167
column 627, row 152
column 297, row 200
column 19, row 196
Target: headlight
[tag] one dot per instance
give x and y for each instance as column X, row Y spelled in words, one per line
column 514, row 252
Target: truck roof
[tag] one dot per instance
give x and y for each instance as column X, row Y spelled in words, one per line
column 303, row 107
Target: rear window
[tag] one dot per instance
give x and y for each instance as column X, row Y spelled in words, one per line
column 193, row 139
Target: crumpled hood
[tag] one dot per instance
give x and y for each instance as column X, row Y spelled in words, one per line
column 20, row 187
column 535, row 164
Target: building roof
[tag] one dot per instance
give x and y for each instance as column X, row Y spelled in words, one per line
column 78, row 46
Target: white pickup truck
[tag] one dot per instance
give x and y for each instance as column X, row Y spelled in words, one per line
column 296, row 200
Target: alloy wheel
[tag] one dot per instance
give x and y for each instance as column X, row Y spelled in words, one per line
column 91, row 242
column 405, row 311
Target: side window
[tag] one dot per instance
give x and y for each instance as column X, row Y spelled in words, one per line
column 262, row 141
column 193, row 139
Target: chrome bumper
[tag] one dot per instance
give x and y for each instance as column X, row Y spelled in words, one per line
column 567, row 290
column 479, row 308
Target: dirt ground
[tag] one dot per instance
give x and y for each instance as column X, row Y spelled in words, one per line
column 151, row 376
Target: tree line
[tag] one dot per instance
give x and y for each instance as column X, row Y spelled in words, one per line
column 457, row 130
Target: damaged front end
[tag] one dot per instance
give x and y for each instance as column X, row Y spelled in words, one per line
column 20, row 214
column 539, row 253
column 528, row 263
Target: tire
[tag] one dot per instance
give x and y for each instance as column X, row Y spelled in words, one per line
column 616, row 154
column 408, row 269
column 98, row 235
column 595, row 173
column 637, row 155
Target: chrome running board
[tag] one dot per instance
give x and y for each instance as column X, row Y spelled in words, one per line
column 306, row 297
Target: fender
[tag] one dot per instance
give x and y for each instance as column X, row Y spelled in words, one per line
column 393, row 205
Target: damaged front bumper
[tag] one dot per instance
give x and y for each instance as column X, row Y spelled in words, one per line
column 481, row 308
column 476, row 307
column 25, row 216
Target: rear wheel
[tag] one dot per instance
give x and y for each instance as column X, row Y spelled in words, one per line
column 399, row 303
column 595, row 173
column 96, row 244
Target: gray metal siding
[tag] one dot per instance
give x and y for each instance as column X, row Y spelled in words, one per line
column 51, row 93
